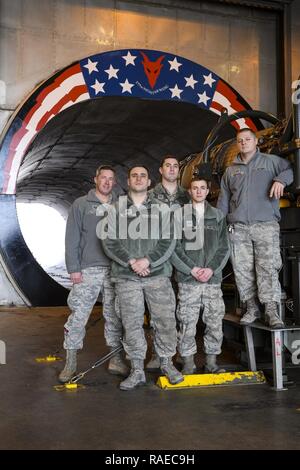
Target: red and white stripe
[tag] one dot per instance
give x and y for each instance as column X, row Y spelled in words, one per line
column 67, row 89
column 224, row 97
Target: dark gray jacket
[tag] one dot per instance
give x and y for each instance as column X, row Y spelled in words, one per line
column 121, row 246
column 214, row 253
column 83, row 248
column 245, row 188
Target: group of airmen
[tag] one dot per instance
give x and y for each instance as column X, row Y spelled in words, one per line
column 132, row 248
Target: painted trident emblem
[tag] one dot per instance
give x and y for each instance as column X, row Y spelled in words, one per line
column 152, row 68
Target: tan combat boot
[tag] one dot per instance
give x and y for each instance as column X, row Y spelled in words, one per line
column 70, row 367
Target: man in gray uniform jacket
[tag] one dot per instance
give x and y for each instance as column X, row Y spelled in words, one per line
column 171, row 193
column 89, row 270
column 139, row 242
column 250, row 190
column 200, row 255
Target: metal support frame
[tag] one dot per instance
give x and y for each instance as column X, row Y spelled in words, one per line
column 277, row 348
column 250, row 348
column 277, row 344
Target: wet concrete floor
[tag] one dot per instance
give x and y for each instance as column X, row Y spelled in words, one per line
column 100, row 416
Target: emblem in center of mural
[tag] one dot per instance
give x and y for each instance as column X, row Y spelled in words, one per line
column 151, row 74
column 152, row 68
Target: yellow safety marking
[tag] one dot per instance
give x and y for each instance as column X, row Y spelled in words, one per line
column 68, row 386
column 208, row 380
column 48, row 358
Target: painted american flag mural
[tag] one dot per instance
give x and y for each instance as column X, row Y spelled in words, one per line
column 139, row 73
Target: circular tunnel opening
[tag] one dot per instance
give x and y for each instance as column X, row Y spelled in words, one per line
column 103, row 109
column 60, row 163
column 43, row 229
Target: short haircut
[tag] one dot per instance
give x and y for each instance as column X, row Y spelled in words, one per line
column 138, row 166
column 245, row 129
column 199, row 178
column 105, row 167
column 166, row 158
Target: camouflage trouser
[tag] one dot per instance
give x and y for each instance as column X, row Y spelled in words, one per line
column 81, row 301
column 191, row 298
column 256, row 260
column 159, row 295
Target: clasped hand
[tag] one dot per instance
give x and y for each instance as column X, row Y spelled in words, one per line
column 202, row 274
column 140, row 266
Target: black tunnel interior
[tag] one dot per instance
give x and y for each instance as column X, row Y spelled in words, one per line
column 60, row 164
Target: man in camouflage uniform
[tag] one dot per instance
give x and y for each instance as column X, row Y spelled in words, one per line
column 138, row 240
column 250, row 190
column 171, row 193
column 168, row 190
column 199, row 257
column 89, row 270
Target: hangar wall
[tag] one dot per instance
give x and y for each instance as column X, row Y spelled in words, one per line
column 38, row 37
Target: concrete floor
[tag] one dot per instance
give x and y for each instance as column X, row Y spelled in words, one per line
column 35, row 416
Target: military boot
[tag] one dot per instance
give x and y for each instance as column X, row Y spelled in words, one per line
column 136, row 376
column 252, row 313
column 272, row 316
column 211, row 366
column 189, row 366
column 70, row 366
column 170, row 371
column 118, row 366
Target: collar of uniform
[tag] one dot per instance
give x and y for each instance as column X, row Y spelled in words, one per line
column 163, row 189
column 238, row 159
column 146, row 203
column 91, row 197
column 209, row 211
